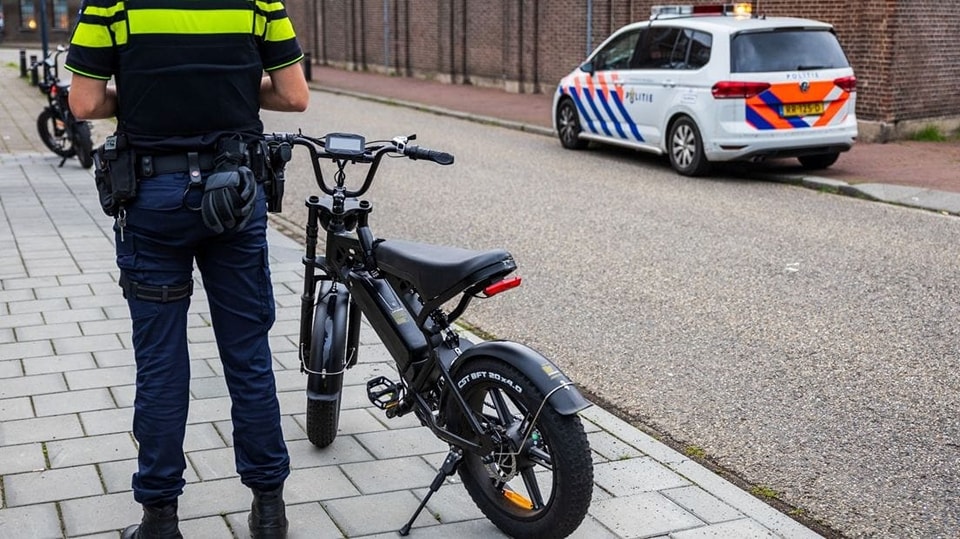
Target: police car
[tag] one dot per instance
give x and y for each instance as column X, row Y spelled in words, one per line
column 707, row 84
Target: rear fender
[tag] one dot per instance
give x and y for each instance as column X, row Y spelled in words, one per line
column 328, row 347
column 546, row 376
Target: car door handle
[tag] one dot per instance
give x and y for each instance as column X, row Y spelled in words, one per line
column 669, row 83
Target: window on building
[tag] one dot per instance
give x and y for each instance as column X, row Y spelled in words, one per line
column 61, row 15
column 28, row 17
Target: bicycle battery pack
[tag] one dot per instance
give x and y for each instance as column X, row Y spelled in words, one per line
column 393, row 323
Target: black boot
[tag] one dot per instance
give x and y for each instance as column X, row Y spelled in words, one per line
column 268, row 516
column 158, row 523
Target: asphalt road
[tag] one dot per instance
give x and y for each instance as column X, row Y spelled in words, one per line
column 805, row 341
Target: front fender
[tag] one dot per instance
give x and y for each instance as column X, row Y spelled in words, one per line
column 546, row 376
column 328, row 347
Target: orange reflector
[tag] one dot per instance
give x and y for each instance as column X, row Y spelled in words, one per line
column 500, row 286
column 517, row 499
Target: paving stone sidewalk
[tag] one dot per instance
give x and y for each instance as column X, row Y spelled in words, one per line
column 66, row 396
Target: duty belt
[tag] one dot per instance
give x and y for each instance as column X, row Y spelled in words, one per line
column 154, row 165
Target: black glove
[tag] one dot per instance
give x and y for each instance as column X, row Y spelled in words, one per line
column 228, row 199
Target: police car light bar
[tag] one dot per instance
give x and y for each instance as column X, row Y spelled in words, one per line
column 741, row 9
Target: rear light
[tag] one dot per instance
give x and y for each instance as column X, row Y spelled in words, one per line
column 736, row 89
column 53, row 90
column 501, row 286
column 847, row 84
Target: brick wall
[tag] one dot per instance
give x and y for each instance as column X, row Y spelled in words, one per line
column 906, row 53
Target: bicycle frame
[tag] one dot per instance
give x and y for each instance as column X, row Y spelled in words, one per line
column 517, row 397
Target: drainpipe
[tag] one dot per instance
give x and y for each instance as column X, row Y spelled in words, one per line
column 463, row 51
column 589, row 27
column 536, row 46
column 520, row 48
column 386, row 35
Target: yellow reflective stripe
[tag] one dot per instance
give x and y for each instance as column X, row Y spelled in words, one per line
column 269, row 6
column 106, row 12
column 119, row 30
column 260, row 25
column 280, row 30
column 91, row 35
column 176, row 21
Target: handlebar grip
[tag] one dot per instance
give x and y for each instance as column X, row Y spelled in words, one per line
column 441, row 158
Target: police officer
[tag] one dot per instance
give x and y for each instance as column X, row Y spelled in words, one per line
column 191, row 78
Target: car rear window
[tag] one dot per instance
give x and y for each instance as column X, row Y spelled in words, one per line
column 786, row 50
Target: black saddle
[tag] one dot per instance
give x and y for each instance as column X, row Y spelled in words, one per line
column 439, row 272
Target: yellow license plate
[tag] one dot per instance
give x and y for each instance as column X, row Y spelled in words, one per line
column 802, row 109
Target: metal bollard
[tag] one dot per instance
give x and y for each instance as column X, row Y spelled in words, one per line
column 23, row 64
column 307, row 66
column 34, row 71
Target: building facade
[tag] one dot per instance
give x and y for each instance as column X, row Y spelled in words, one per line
column 906, row 53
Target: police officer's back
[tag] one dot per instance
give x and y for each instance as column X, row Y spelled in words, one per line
column 181, row 180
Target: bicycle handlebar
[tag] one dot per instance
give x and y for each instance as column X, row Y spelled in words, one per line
column 365, row 152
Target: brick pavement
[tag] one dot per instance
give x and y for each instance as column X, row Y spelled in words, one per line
column 66, row 397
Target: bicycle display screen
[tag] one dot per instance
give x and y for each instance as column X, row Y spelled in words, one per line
column 344, row 144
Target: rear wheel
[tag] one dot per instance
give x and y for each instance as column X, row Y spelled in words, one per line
column 685, row 148
column 568, row 126
column 538, row 480
column 818, row 162
column 83, row 143
column 53, row 133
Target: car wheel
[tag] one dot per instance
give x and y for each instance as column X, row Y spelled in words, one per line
column 818, row 162
column 568, row 126
column 685, row 148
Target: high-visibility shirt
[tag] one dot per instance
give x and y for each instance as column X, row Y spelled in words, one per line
column 187, row 71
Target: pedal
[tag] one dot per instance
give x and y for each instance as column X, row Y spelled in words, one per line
column 383, row 393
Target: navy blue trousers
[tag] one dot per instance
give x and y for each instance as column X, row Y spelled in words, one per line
column 162, row 239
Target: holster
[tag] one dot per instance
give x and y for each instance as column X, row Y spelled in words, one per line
column 115, row 174
column 268, row 161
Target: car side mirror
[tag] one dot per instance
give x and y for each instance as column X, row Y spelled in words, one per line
column 588, row 67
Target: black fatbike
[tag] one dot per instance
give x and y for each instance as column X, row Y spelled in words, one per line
column 59, row 129
column 508, row 413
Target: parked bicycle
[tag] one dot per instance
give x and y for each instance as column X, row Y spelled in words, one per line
column 58, row 128
column 508, row 414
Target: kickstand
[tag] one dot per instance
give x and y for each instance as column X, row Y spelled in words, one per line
column 62, row 161
column 447, row 469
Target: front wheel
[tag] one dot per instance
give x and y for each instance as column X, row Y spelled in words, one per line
column 327, row 360
column 323, row 419
column 83, row 143
column 538, row 479
column 53, row 133
column 685, row 147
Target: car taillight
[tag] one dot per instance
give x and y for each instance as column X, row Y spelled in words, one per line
column 847, row 84
column 737, row 89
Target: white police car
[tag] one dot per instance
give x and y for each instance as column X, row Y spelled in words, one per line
column 714, row 83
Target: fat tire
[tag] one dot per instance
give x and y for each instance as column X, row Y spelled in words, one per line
column 568, row 126
column 46, row 124
column 685, row 148
column 83, row 142
column 819, row 161
column 572, row 476
column 323, row 418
